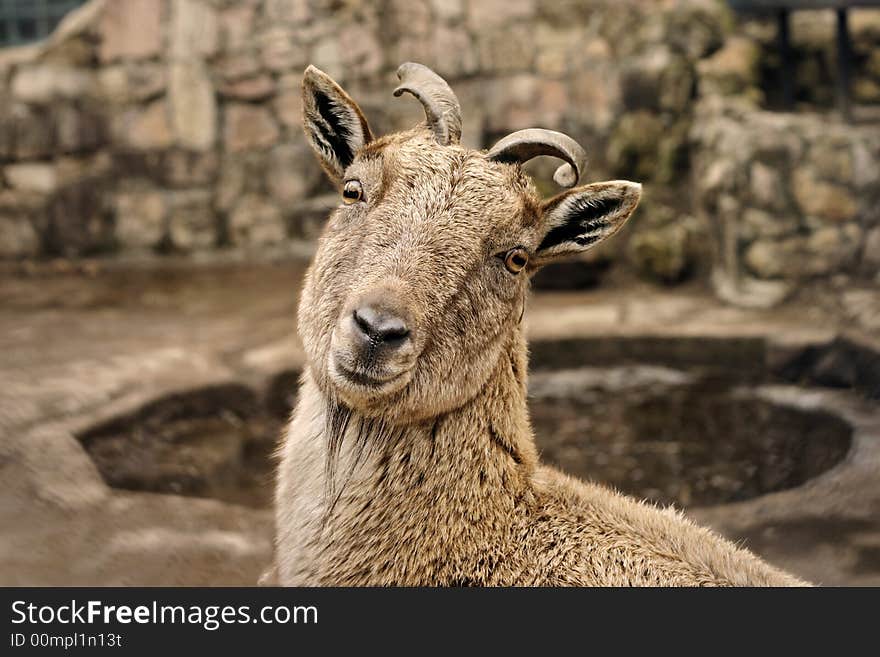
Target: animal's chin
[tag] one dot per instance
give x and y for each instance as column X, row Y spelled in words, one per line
column 356, row 384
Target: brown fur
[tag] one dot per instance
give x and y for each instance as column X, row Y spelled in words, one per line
column 432, row 476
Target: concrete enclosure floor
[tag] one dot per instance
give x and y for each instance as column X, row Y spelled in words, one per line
column 80, row 348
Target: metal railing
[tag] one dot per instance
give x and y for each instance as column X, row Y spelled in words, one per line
column 782, row 9
column 25, row 21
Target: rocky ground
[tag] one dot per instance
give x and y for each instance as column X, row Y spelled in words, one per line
column 81, row 348
column 77, row 350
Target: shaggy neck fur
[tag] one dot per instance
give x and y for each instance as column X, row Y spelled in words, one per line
column 461, row 500
column 391, row 489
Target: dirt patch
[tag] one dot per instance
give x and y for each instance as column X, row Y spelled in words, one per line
column 214, row 442
column 648, row 433
column 691, row 444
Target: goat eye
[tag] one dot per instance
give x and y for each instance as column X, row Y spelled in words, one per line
column 352, row 192
column 515, row 260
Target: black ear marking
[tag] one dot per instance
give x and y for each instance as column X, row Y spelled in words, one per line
column 578, row 219
column 333, row 129
column 585, row 221
column 590, row 209
column 334, row 125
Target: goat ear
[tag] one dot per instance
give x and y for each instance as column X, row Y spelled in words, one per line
column 578, row 219
column 334, row 124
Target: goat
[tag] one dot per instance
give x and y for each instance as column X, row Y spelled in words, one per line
column 409, row 458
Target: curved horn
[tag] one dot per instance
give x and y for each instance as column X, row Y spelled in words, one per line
column 523, row 145
column 441, row 105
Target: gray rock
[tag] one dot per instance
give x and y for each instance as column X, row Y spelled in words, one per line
column 132, row 82
column 240, row 174
column 833, row 160
column 18, row 238
column 288, row 104
column 193, row 106
column 236, row 26
column 663, row 254
column 148, row 129
column 37, row 177
column 281, row 50
column 287, row 11
column 452, row 10
column 766, row 186
column 194, row 29
column 77, row 219
column 26, row 132
column 291, row 174
column 822, row 199
column 78, row 128
column 633, row 146
column 818, row 254
column 184, row 168
column 871, row 254
column 306, row 219
column 248, row 127
column 256, row 222
column 866, row 163
column 732, row 70
column 44, row 83
column 192, row 222
column 493, row 13
column 249, row 89
column 831, row 249
column 770, row 258
column 238, row 65
column 455, row 48
column 749, row 292
column 141, row 219
column 131, row 30
column 758, row 224
column 360, row 50
column 505, row 50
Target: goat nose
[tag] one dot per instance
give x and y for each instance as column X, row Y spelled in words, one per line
column 380, row 325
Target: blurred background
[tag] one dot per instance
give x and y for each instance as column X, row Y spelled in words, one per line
column 159, row 204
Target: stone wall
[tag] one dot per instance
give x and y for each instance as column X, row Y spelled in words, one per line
column 789, row 197
column 174, row 125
